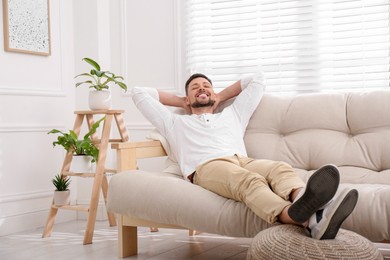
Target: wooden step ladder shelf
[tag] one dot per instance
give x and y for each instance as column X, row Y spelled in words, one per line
column 100, row 181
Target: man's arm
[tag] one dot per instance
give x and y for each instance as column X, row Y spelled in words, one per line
column 173, row 100
column 249, row 98
column 147, row 101
column 230, row 92
column 170, row 99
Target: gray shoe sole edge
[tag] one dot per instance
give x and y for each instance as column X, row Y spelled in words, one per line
column 342, row 212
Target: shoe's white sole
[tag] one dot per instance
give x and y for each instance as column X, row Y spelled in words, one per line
column 339, row 210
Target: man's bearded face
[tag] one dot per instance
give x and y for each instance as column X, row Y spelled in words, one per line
column 201, row 93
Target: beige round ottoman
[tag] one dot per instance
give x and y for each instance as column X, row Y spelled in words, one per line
column 290, row 242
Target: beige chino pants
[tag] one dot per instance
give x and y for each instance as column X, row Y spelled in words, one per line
column 263, row 185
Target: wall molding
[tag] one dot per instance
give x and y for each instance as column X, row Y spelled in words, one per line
column 26, row 196
column 31, row 92
column 28, row 128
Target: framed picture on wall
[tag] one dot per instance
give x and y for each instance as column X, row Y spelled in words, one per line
column 27, row 26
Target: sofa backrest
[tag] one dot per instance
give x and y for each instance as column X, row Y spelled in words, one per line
column 310, row 130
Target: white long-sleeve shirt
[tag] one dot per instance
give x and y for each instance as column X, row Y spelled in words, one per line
column 195, row 139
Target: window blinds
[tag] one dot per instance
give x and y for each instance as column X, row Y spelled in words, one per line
column 302, row 45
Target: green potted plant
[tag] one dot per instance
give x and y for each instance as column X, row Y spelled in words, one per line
column 84, row 151
column 99, row 81
column 61, row 193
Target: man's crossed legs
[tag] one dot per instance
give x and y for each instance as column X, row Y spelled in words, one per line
column 274, row 192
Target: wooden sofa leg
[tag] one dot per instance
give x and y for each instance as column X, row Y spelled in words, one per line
column 153, row 229
column 127, row 240
column 192, row 232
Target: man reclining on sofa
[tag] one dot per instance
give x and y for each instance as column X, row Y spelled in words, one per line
column 211, row 153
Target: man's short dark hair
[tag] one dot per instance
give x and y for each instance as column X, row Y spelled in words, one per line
column 194, row 76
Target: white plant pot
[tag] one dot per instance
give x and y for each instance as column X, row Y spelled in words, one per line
column 61, row 198
column 100, row 100
column 81, row 164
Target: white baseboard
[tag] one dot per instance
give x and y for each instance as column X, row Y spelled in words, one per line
column 28, row 211
column 30, row 221
column 34, row 220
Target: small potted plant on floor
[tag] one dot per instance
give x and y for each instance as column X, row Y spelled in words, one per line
column 61, row 193
column 99, row 81
column 84, row 151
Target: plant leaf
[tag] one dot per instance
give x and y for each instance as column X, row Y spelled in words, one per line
column 55, row 131
column 84, row 82
column 73, row 134
column 122, row 85
column 100, row 73
column 92, row 63
column 113, row 79
column 83, row 74
column 93, row 128
column 118, row 77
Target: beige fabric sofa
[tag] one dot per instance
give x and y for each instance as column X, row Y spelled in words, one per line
column 350, row 130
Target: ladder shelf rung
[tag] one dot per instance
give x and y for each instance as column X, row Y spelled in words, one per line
column 81, row 174
column 111, row 170
column 72, row 207
column 78, row 174
column 98, row 141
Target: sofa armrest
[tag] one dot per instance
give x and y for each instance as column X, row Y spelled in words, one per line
column 127, row 153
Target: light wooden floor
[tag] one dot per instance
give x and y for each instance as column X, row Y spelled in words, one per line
column 66, row 242
column 67, row 238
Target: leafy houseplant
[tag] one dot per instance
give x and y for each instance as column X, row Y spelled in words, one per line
column 100, row 80
column 71, row 143
column 62, row 193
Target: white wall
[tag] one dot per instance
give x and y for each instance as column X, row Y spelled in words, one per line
column 151, row 44
column 151, row 49
column 139, row 40
column 36, row 95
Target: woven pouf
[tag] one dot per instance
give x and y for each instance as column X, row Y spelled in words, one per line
column 290, row 242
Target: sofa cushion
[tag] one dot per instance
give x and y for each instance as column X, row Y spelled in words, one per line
column 310, row 130
column 370, row 217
